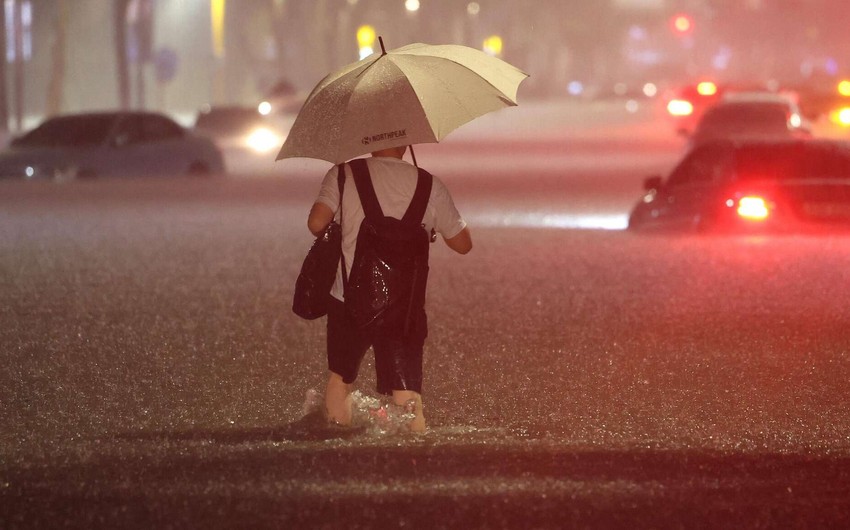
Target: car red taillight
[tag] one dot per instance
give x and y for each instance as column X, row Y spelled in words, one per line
column 750, row 207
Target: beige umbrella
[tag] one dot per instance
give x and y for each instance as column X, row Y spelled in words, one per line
column 415, row 94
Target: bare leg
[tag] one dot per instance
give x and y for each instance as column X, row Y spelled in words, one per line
column 338, row 400
column 400, row 397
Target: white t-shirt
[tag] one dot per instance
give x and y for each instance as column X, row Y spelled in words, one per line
column 394, row 181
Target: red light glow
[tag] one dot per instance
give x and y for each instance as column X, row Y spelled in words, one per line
column 753, row 208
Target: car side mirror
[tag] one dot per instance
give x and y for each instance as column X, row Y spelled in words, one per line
column 652, row 183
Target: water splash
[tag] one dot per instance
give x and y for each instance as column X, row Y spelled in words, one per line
column 376, row 415
column 381, row 415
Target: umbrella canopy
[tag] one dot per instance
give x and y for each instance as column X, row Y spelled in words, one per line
column 415, row 94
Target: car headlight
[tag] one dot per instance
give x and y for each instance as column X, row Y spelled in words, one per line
column 841, row 116
column 263, row 140
column 680, row 107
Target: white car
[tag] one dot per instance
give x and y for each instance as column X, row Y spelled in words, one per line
column 109, row 144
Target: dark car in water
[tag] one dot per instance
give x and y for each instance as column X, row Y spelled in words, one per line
column 239, row 127
column 248, row 139
column 107, row 144
column 752, row 186
column 751, row 115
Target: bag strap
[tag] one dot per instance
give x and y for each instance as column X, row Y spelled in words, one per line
column 372, row 208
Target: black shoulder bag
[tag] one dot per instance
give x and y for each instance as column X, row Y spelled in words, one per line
column 318, row 272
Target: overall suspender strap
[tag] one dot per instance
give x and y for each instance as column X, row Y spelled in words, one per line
column 363, row 182
column 419, row 203
column 372, row 208
column 340, row 180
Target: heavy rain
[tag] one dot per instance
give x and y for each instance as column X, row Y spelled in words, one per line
column 617, row 350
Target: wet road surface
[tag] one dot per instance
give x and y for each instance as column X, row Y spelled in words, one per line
column 153, row 374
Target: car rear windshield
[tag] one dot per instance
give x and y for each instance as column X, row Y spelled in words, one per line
column 762, row 115
column 226, row 120
column 69, row 131
column 793, row 161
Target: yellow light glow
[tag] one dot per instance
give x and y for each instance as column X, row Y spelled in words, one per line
column 493, row 45
column 365, row 36
column 680, row 107
column 844, row 88
column 753, row 208
column 217, row 9
column 706, row 88
column 841, row 117
column 263, row 140
column 682, row 23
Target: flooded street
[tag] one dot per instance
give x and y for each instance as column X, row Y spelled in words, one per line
column 153, row 374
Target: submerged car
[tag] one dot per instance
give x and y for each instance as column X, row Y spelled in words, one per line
column 106, row 144
column 752, row 186
column 248, row 139
column 751, row 115
column 234, row 127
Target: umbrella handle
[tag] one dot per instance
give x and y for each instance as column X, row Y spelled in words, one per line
column 413, row 155
column 383, row 50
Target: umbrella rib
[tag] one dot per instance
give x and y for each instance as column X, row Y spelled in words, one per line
column 368, row 66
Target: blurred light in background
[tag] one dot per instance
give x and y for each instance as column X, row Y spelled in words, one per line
column 264, row 108
column 841, row 117
column 217, row 8
column 680, row 107
column 795, row 121
column 366, row 40
column 706, row 88
column 844, row 88
column 263, row 140
column 682, row 24
column 650, row 90
column 493, row 45
column 411, row 5
column 473, row 8
column 575, row 88
column 12, row 30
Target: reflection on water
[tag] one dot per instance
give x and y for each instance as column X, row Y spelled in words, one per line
column 612, row 221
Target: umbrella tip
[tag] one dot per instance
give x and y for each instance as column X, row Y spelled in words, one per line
column 383, row 50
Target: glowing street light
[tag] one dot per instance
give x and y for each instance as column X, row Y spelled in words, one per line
column 366, row 40
column 682, row 24
column 411, row 5
column 217, row 10
column 493, row 45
